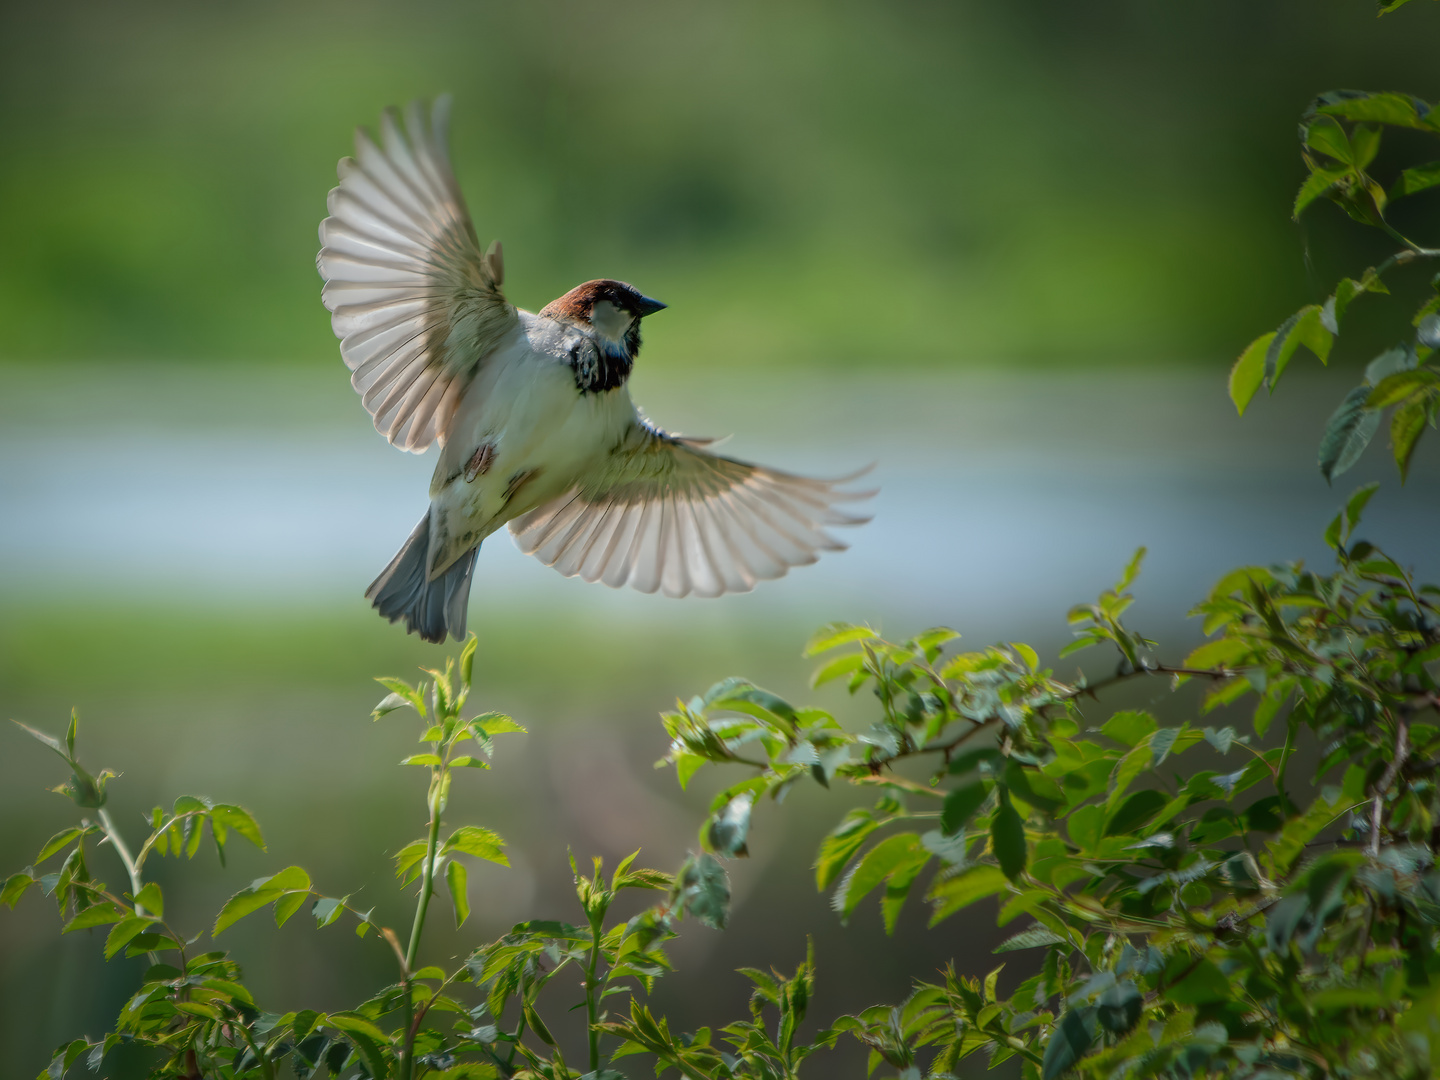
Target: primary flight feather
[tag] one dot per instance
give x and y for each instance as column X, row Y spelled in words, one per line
column 532, row 412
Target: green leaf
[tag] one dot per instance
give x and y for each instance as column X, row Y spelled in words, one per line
column 1402, row 384
column 1398, row 110
column 287, row 905
column 1007, row 837
column 840, row 846
column 1249, row 372
column 726, row 831
column 835, row 634
column 1348, row 432
column 1032, row 938
column 1129, row 727
column 238, row 818
column 1071, row 1041
column 455, row 881
column 1135, row 812
column 874, row 867
column 703, row 890
column 953, row 894
column 1417, row 178
column 101, row 914
column 58, row 842
column 960, row 804
column 260, row 892
column 352, row 1023
column 467, row 659
column 326, row 910
column 124, row 932
column 1327, row 136
column 1198, row 983
column 14, row 888
column 1405, row 428
column 481, row 843
column 432, row 760
column 389, row 703
column 494, row 723
column 151, row 899
column 1316, row 184
column 1359, row 499
column 840, row 666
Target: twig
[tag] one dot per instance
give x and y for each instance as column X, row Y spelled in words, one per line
column 1377, row 805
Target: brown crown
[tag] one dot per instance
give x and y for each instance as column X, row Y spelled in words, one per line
column 580, row 301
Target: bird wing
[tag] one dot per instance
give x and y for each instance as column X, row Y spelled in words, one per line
column 414, row 303
column 663, row 513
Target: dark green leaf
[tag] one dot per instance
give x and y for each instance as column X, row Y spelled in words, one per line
column 1135, row 812
column 1348, row 432
column 960, row 804
column 1007, row 837
column 1073, row 1037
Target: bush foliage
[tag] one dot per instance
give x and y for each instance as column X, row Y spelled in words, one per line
column 1187, row 901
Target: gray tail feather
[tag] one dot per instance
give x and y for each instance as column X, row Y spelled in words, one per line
column 430, row 608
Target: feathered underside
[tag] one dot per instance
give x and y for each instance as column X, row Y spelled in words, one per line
column 416, row 305
column 667, row 515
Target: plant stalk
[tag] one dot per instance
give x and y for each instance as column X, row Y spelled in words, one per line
column 592, row 1005
column 422, row 903
column 118, row 843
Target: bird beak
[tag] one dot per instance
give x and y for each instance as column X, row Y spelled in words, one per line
column 646, row 306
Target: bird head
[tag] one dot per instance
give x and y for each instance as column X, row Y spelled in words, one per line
column 612, row 309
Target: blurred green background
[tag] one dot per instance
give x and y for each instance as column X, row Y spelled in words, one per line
column 1007, row 250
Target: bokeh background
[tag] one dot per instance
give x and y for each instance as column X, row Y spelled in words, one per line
column 1005, row 251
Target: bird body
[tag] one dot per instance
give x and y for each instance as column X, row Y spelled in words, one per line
column 532, row 412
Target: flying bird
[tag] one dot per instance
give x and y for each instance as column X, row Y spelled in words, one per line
column 532, row 412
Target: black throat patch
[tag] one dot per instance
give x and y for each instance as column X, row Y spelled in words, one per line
column 597, row 369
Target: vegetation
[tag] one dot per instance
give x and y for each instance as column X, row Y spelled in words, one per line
column 1268, row 907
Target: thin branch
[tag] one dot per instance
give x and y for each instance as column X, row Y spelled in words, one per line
column 1377, row 804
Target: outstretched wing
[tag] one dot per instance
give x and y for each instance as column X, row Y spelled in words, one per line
column 663, row 513
column 414, row 303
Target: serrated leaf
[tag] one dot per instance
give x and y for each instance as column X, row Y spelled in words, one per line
column 1405, row 429
column 478, row 842
column 1348, row 432
column 102, row 914
column 1402, row 384
column 1248, row 372
column 494, row 723
column 953, row 894
column 837, row 849
column 874, row 867
column 260, row 892
column 1032, row 938
column 56, row 843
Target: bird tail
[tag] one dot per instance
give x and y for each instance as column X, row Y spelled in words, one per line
column 430, row 608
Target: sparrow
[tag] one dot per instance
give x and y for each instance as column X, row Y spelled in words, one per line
column 531, row 412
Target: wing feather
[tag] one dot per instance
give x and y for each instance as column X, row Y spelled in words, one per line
column 663, row 513
column 415, row 304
